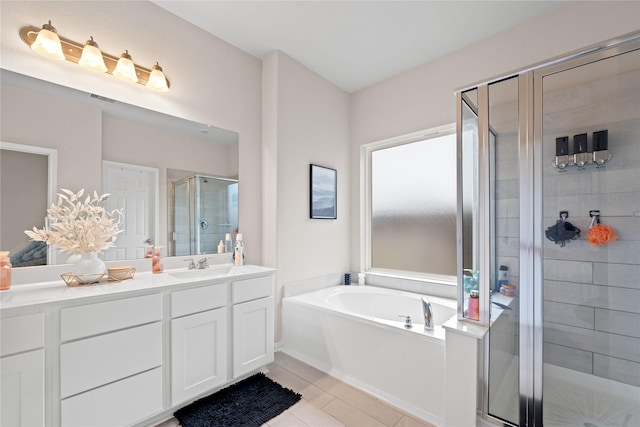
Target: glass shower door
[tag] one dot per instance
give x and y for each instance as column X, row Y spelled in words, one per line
column 504, row 231
column 591, row 293
column 205, row 210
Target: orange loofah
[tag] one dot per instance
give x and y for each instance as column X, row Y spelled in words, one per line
column 601, row 234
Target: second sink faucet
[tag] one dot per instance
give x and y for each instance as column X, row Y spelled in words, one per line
column 203, row 263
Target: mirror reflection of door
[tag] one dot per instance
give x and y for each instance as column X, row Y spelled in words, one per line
column 135, row 189
column 27, row 181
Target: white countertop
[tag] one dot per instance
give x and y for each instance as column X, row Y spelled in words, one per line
column 473, row 329
column 34, row 294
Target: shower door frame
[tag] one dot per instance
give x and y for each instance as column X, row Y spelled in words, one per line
column 531, row 227
column 536, row 316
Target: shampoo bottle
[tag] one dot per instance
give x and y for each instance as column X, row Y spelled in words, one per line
column 238, row 253
column 473, row 307
column 502, row 277
column 220, row 247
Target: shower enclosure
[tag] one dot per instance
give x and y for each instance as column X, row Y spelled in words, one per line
column 205, row 209
column 550, row 193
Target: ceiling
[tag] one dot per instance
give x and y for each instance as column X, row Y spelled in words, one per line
column 355, row 44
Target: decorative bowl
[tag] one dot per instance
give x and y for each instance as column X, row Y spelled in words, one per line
column 122, row 272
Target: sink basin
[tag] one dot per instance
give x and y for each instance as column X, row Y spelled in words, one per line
column 215, row 270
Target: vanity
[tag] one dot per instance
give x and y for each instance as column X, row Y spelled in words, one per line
column 130, row 352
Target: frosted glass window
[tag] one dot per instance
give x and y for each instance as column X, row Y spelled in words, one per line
column 413, row 206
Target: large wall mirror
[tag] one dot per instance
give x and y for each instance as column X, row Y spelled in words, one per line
column 107, row 146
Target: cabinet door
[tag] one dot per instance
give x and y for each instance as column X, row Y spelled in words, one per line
column 252, row 335
column 198, row 353
column 22, row 389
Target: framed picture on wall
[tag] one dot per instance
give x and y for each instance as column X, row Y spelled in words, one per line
column 323, row 188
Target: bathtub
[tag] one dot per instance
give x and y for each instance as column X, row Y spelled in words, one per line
column 356, row 334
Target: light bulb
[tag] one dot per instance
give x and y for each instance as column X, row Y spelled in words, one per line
column 47, row 42
column 157, row 80
column 91, row 58
column 125, row 69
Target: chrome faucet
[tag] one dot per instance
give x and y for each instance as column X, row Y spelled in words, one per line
column 202, row 264
column 192, row 266
column 428, row 313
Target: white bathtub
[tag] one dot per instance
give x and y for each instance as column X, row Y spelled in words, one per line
column 355, row 333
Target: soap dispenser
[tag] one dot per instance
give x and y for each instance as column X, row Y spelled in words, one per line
column 5, row 271
column 238, row 253
column 156, row 261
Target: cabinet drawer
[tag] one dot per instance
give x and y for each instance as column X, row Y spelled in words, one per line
column 92, row 319
column 250, row 289
column 21, row 333
column 198, row 299
column 119, row 404
column 96, row 361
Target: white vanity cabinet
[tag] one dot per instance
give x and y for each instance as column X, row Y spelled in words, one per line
column 130, row 353
column 111, row 362
column 22, row 375
column 253, row 324
column 198, row 341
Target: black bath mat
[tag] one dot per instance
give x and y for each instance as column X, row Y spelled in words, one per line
column 250, row 402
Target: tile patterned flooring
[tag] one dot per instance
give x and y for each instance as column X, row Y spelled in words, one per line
column 327, row 401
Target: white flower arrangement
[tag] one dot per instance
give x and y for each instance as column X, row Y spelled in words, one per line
column 77, row 226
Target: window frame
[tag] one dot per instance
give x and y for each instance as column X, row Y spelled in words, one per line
column 366, row 151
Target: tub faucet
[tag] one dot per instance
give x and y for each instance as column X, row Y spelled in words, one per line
column 407, row 321
column 428, row 313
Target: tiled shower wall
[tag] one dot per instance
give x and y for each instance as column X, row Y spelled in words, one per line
column 592, row 293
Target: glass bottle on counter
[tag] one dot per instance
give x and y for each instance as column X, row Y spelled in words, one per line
column 5, row 271
column 228, row 243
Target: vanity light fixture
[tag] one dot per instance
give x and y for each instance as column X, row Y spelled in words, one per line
column 126, row 69
column 91, row 58
column 157, row 80
column 46, row 41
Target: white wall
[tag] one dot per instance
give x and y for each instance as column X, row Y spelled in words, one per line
column 74, row 130
column 212, row 82
column 308, row 122
column 423, row 97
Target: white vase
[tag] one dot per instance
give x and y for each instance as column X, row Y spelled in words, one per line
column 89, row 268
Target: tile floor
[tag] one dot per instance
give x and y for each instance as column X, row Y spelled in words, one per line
column 327, row 401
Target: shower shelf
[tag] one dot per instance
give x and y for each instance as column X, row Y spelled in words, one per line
column 597, row 158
